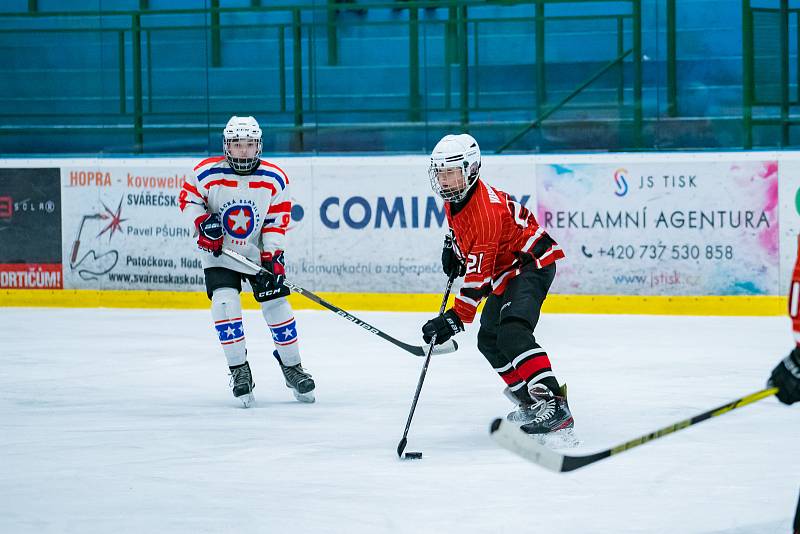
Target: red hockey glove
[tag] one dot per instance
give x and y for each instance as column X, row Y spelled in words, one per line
column 274, row 272
column 444, row 327
column 210, row 236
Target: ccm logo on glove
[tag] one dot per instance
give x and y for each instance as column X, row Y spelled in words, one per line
column 274, row 271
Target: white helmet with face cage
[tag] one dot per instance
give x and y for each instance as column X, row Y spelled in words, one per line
column 452, row 154
column 241, row 141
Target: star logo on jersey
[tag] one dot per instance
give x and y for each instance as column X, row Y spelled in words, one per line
column 239, row 221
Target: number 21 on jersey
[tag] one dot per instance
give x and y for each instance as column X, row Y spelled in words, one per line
column 474, row 262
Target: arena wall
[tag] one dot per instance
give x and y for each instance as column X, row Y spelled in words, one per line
column 679, row 233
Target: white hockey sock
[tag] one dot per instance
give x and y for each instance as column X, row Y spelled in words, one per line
column 280, row 319
column 226, row 309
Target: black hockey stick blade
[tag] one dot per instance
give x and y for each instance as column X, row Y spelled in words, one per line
column 401, row 447
column 416, row 350
column 510, row 437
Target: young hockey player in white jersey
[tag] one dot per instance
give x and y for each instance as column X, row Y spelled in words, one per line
column 242, row 202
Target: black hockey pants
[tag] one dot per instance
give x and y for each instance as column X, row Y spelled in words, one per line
column 506, row 335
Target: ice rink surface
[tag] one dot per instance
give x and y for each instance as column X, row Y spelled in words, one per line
column 118, row 421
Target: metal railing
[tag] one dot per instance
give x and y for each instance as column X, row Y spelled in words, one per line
column 303, row 31
column 766, row 81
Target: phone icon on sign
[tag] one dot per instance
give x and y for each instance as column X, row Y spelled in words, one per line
column 586, row 252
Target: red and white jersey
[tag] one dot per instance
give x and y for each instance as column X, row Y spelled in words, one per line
column 496, row 236
column 254, row 208
column 794, row 297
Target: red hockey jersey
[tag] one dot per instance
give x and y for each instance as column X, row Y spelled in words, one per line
column 496, row 236
column 794, row 297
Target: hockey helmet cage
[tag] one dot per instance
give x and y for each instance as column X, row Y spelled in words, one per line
column 455, row 166
column 241, row 141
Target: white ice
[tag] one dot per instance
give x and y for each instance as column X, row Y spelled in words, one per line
column 116, row 421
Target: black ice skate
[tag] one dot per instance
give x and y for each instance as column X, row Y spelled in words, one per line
column 553, row 416
column 298, row 380
column 242, row 383
column 526, row 411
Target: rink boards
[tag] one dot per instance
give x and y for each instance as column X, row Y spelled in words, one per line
column 689, row 233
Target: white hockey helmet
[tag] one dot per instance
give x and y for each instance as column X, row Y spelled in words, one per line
column 455, row 166
column 241, row 141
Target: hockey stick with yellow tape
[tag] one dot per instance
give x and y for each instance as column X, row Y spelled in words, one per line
column 510, row 437
column 416, row 350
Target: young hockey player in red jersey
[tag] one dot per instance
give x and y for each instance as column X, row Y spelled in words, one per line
column 508, row 259
column 786, row 375
column 242, row 202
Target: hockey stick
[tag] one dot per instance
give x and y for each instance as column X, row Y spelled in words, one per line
column 416, row 350
column 510, row 437
column 402, row 445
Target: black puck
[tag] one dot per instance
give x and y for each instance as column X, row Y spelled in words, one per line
column 495, row 426
column 413, row 455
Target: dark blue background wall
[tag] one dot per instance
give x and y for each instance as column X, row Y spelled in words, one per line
column 69, row 84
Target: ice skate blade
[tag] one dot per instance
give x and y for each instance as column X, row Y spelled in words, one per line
column 560, row 439
column 304, row 397
column 247, row 400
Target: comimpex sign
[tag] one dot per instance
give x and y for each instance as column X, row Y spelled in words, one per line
column 361, row 213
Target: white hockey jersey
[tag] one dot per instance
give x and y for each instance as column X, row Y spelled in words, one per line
column 254, row 209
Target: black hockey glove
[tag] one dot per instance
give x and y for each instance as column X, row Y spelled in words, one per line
column 274, row 272
column 452, row 265
column 444, row 327
column 786, row 377
column 209, row 230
